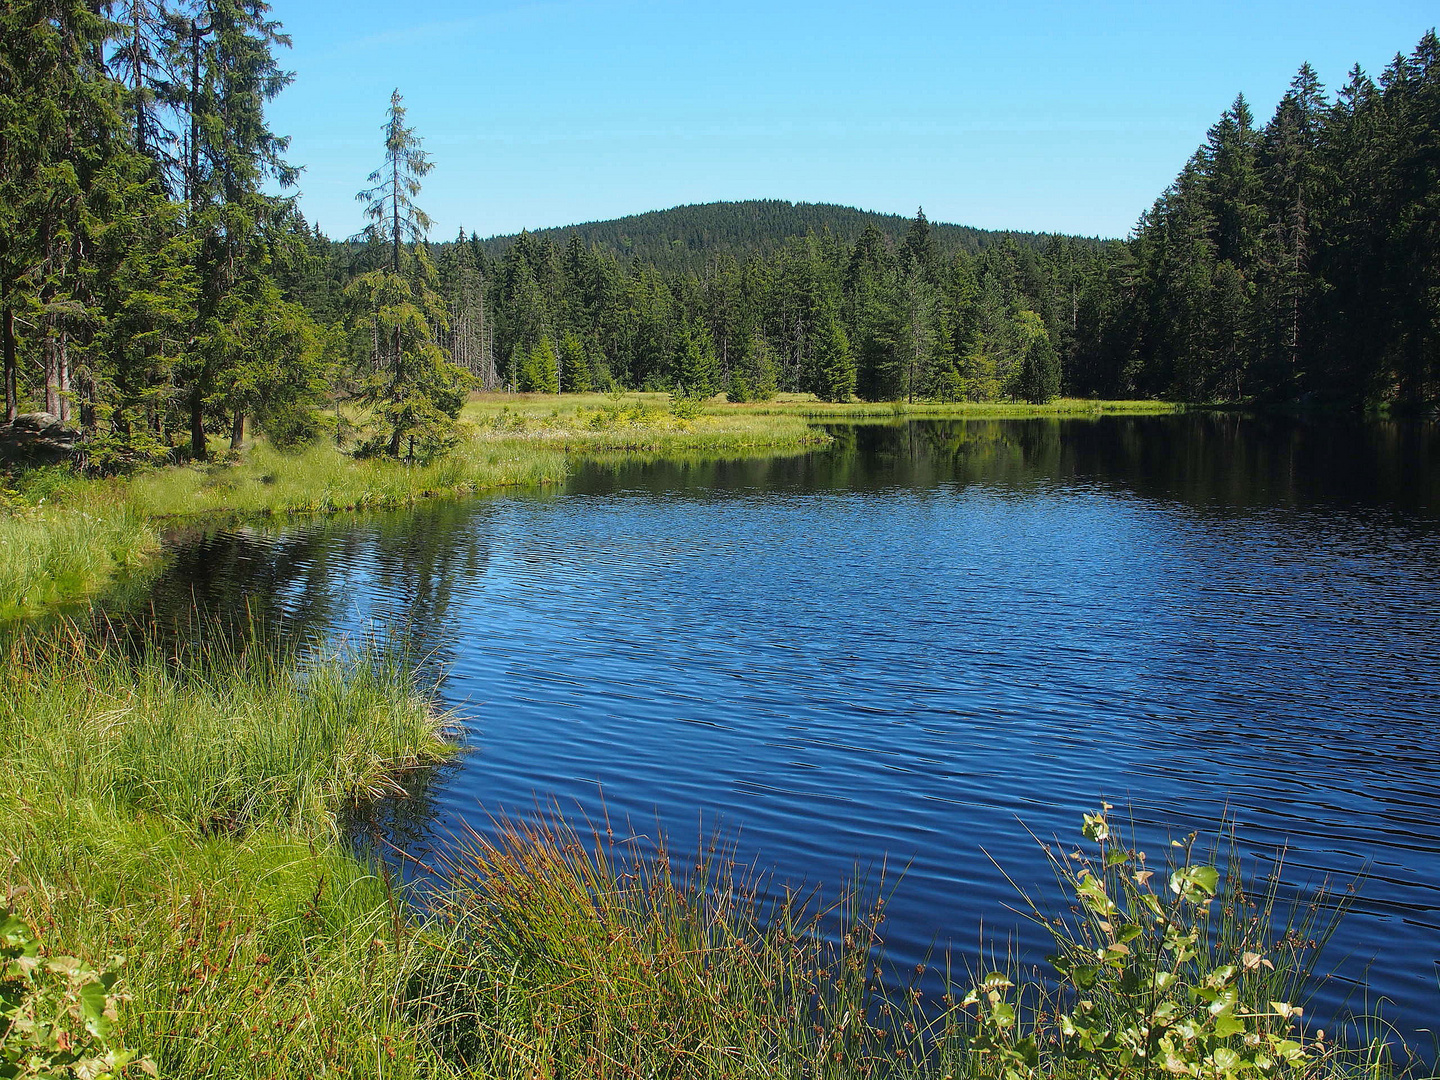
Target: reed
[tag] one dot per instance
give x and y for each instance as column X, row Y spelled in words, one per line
column 570, row 953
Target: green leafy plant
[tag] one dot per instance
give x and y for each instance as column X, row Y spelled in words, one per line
column 57, row 1014
column 1170, row 972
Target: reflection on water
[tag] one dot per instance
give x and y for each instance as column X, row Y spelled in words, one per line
column 912, row 643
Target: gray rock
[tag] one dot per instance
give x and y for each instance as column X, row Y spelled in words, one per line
column 35, row 421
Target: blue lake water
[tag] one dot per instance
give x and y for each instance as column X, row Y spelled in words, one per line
column 915, row 645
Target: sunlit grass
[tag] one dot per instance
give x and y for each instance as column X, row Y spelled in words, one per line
column 807, row 405
column 238, row 735
column 180, row 807
column 65, row 543
column 587, row 424
column 325, row 479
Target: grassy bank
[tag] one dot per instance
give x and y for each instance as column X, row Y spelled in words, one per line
column 64, row 537
column 182, row 812
column 808, row 406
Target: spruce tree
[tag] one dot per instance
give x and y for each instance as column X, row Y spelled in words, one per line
column 389, row 202
column 539, row 371
column 835, row 361
column 575, row 373
column 1291, row 168
column 917, row 253
column 694, row 371
column 414, row 388
column 226, row 48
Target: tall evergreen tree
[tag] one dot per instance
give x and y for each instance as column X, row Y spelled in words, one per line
column 694, row 372
column 389, row 202
column 836, row 362
column 416, row 391
column 230, row 154
column 1291, row 169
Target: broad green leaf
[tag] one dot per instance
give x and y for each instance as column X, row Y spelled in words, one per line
column 1227, row 1024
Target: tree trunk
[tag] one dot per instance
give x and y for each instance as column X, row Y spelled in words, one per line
column 237, row 430
column 199, row 449
column 62, row 377
column 395, row 212
column 192, row 163
column 48, row 367
column 12, row 403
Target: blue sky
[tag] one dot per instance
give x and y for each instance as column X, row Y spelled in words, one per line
column 1046, row 115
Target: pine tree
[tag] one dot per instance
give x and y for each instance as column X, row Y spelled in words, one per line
column 59, row 122
column 416, row 391
column 754, row 376
column 921, row 303
column 836, row 362
column 694, row 371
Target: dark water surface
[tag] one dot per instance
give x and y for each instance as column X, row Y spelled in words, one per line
column 911, row 644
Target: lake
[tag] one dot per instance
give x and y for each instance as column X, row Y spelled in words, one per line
column 914, row 645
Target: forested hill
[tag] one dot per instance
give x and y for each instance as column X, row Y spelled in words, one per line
column 684, row 237
column 155, row 292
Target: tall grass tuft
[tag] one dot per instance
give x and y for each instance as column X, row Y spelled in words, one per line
column 179, row 806
column 576, row 955
column 242, row 734
column 53, row 553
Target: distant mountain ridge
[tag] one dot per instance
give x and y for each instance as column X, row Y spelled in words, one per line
column 684, row 237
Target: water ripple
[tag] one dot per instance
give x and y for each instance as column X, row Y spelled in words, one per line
column 917, row 645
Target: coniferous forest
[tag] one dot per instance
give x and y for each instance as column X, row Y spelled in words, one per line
column 155, row 291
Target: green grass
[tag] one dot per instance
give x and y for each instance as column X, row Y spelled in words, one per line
column 323, row 479
column 181, row 807
column 807, row 405
column 54, row 552
column 590, row 424
column 244, row 734
column 258, row 956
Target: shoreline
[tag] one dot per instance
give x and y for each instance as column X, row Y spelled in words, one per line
column 65, row 538
column 179, row 805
